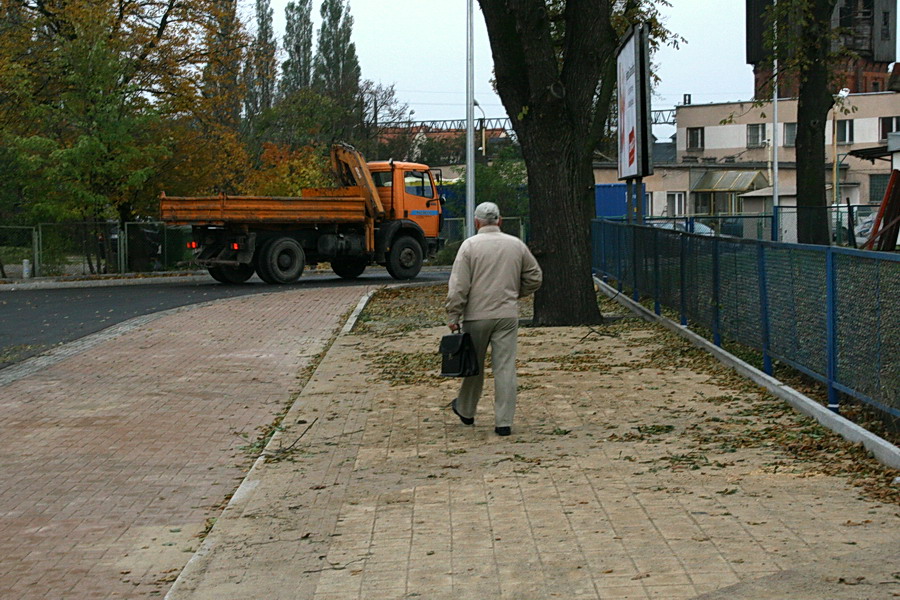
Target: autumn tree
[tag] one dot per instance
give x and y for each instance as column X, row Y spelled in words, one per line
column 298, row 42
column 554, row 62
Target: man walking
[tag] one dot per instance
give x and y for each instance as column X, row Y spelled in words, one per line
column 491, row 272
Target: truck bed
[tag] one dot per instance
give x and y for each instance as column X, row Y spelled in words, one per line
column 316, row 205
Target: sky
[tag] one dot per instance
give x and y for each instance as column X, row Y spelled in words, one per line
column 420, row 47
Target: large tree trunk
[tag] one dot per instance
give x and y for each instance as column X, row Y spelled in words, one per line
column 560, row 185
column 815, row 99
column 548, row 77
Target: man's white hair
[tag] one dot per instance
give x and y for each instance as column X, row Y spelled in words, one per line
column 488, row 213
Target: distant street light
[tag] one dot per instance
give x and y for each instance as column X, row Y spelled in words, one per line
column 483, row 132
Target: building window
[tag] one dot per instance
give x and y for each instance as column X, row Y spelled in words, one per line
column 675, row 204
column 878, row 187
column 889, row 125
column 695, row 138
column 845, row 131
column 790, row 135
column 756, row 135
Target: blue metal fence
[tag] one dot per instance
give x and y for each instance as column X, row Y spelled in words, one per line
column 829, row 312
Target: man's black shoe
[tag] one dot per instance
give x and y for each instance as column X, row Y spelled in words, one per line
column 465, row 420
column 504, row 431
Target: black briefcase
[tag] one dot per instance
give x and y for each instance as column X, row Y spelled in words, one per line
column 458, row 357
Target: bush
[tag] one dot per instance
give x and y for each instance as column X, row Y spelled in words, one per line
column 447, row 254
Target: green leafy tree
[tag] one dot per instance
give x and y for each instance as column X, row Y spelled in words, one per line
column 260, row 66
column 303, row 118
column 222, row 85
column 298, row 39
column 807, row 51
column 554, row 62
column 336, row 72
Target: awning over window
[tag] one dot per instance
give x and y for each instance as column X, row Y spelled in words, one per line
column 872, row 154
column 730, row 181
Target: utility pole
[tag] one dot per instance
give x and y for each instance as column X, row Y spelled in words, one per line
column 470, row 121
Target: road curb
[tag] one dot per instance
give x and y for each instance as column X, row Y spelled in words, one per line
column 884, row 451
column 53, row 284
column 251, row 481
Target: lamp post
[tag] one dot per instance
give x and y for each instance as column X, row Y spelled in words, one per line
column 470, row 120
column 483, row 132
column 838, row 100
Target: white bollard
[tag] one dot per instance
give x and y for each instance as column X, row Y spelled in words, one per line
column 26, row 269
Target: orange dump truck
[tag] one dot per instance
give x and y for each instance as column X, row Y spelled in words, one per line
column 386, row 213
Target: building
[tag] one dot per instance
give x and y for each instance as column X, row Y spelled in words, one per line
column 867, row 28
column 722, row 160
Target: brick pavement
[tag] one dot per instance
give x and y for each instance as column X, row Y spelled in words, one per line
column 606, row 489
column 114, row 457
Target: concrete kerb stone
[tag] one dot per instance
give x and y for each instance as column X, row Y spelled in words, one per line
column 881, row 449
column 52, row 284
column 251, row 481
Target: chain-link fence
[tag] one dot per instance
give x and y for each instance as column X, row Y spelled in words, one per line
column 91, row 248
column 847, row 225
column 830, row 313
column 18, row 251
column 454, row 229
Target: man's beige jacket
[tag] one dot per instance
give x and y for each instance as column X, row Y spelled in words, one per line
column 491, row 272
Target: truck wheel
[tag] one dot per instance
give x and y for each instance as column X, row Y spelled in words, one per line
column 349, row 268
column 405, row 258
column 225, row 274
column 282, row 260
column 259, row 262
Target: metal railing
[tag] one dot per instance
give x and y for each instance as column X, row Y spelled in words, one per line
column 778, row 225
column 828, row 312
column 92, row 248
column 454, row 229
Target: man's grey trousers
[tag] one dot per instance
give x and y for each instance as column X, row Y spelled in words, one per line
column 501, row 335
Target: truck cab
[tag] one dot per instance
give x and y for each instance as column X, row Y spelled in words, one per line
column 408, row 191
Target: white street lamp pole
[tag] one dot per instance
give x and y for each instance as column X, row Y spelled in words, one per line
column 775, row 199
column 470, row 121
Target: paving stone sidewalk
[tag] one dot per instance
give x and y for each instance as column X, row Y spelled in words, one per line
column 624, row 478
column 114, row 455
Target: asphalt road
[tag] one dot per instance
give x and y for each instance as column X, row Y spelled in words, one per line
column 34, row 320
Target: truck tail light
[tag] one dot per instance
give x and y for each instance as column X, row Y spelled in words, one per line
column 235, row 246
column 193, row 245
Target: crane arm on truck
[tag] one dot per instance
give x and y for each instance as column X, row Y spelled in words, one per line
column 351, row 170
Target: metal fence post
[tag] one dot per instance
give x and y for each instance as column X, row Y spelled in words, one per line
column 831, row 329
column 39, row 269
column 635, row 293
column 764, row 307
column 717, row 336
column 35, row 252
column 656, row 305
column 123, row 248
column 682, row 275
column 619, row 258
column 775, row 215
column 604, row 230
